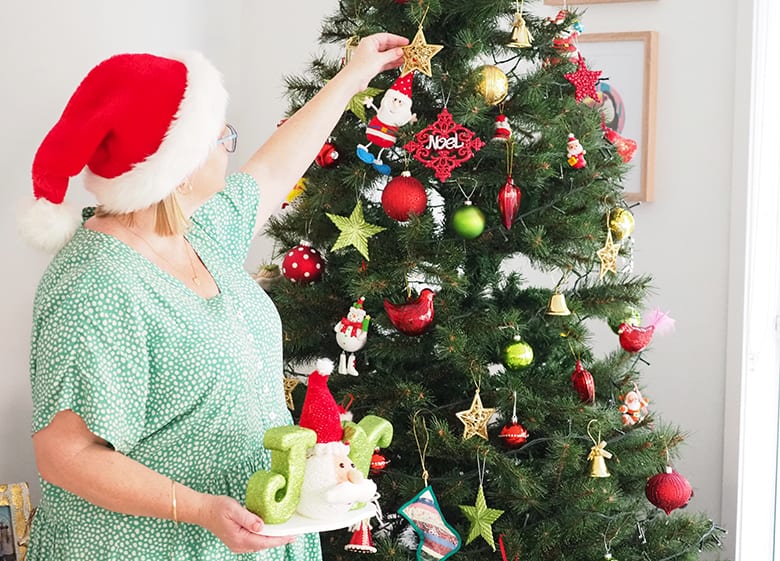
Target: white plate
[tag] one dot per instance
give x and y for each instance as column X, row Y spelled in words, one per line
column 303, row 525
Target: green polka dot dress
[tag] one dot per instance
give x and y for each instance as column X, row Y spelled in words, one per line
column 184, row 385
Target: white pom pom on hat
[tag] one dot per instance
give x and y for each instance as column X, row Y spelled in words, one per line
column 140, row 124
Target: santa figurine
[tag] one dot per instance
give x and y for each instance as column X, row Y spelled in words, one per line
column 394, row 111
column 332, row 485
column 634, row 407
column 575, row 153
column 502, row 131
column 351, row 334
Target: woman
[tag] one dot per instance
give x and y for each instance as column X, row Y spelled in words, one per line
column 156, row 361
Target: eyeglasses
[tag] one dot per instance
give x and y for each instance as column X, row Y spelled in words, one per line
column 229, row 140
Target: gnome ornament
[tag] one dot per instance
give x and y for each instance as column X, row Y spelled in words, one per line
column 394, row 111
column 361, row 541
column 331, row 483
column 351, row 335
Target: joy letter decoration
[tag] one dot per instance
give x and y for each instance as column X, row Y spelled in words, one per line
column 444, row 145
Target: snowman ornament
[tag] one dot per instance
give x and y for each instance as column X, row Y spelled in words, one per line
column 394, row 111
column 351, row 335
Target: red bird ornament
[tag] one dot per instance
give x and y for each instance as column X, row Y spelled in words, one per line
column 635, row 339
column 415, row 317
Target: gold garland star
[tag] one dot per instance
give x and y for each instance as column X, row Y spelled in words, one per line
column 481, row 518
column 355, row 231
column 475, row 419
column 418, row 54
column 358, row 102
column 289, row 385
column 608, row 256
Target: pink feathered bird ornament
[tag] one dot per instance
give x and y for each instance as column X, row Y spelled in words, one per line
column 635, row 339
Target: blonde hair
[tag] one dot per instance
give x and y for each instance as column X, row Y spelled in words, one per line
column 169, row 219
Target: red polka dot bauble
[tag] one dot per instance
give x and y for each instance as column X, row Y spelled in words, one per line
column 378, row 463
column 513, row 434
column 668, row 490
column 303, row 264
column 403, row 196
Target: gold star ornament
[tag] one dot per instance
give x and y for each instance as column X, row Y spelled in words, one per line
column 475, row 419
column 608, row 256
column 418, row 54
column 289, row 385
column 355, row 231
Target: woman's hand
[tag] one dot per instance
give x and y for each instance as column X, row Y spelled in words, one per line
column 235, row 526
column 374, row 54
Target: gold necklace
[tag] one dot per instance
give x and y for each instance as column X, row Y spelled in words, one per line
column 195, row 278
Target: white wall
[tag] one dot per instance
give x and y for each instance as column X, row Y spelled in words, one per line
column 682, row 238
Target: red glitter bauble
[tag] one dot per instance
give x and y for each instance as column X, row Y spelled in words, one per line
column 303, row 264
column 582, row 380
column 513, row 434
column 378, row 463
column 403, row 196
column 668, row 490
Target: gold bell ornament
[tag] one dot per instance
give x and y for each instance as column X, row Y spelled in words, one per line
column 521, row 37
column 598, row 455
column 557, row 305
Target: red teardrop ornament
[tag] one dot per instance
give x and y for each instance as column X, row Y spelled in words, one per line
column 582, row 380
column 509, row 202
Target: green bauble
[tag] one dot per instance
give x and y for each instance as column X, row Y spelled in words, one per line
column 626, row 314
column 468, row 221
column 518, row 354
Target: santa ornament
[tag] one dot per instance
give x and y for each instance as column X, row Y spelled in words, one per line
column 331, row 483
column 502, row 131
column 575, row 153
column 634, row 407
column 140, row 124
column 394, row 111
column 351, row 334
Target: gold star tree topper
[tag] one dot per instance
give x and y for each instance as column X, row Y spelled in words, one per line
column 418, row 54
column 355, row 231
column 481, row 518
column 476, row 418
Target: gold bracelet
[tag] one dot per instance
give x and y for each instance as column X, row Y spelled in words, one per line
column 173, row 502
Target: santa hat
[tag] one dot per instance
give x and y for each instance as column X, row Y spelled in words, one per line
column 320, row 411
column 503, row 131
column 361, row 541
column 141, row 124
column 403, row 84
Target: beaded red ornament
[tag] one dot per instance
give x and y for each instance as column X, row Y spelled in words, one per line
column 669, row 490
column 403, row 196
column 584, row 81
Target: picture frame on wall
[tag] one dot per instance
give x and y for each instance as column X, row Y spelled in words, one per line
column 15, row 516
column 581, row 2
column 629, row 75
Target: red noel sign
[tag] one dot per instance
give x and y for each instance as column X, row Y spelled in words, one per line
column 444, row 145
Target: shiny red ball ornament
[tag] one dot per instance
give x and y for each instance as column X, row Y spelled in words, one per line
column 378, row 463
column 403, row 196
column 668, row 490
column 509, row 202
column 303, row 264
column 414, row 317
column 513, row 434
column 327, row 156
column 582, row 380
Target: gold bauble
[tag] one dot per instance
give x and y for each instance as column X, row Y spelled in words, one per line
column 621, row 222
column 493, row 85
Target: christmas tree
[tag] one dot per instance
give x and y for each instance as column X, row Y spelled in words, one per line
column 505, row 421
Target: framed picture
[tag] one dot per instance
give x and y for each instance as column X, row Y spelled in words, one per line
column 15, row 516
column 579, row 2
column 628, row 64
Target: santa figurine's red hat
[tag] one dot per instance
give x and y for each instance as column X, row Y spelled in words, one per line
column 140, row 124
column 320, row 411
column 403, row 84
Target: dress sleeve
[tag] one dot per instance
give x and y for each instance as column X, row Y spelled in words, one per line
column 229, row 216
column 89, row 355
